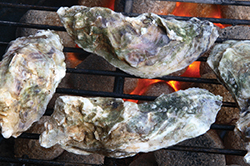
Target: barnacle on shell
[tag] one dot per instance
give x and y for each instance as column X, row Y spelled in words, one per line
column 30, row 71
column 146, row 46
column 114, row 128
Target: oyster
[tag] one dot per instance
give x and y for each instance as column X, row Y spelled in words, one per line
column 146, row 46
column 30, row 71
column 231, row 63
column 115, row 128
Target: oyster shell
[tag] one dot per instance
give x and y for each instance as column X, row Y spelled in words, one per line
column 146, row 46
column 30, row 71
column 115, row 128
column 230, row 62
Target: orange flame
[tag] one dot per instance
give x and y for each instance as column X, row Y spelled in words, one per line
column 198, row 10
column 142, row 86
column 72, row 59
column 174, row 84
column 193, row 70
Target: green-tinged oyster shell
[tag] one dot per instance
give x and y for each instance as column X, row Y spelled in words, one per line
column 231, row 63
column 146, row 46
column 115, row 128
column 30, row 71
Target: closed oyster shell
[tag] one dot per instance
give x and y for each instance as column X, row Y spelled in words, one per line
column 30, row 71
column 146, row 46
column 231, row 63
column 115, row 128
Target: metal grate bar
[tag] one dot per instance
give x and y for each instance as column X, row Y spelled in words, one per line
column 123, row 74
column 214, row 20
column 103, row 94
column 42, row 162
column 61, row 28
column 176, row 147
column 218, row 2
column 222, row 127
column 208, row 150
column 229, row 104
column 28, row 25
column 128, row 6
column 85, row 53
column 117, row 95
column 29, row 136
column 119, row 84
column 76, row 50
column 71, row 49
column 213, row 126
column 49, row 112
column 27, row 6
column 190, row 79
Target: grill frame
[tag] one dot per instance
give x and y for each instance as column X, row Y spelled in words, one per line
column 120, row 77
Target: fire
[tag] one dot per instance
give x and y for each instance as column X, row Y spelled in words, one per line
column 193, row 70
column 198, row 10
column 142, row 87
column 72, row 59
column 174, row 84
column 110, row 4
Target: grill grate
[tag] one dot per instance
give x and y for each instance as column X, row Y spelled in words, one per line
column 120, row 76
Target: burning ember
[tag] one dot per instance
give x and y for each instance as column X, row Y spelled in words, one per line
column 110, row 4
column 73, row 59
column 198, row 10
column 193, row 70
column 98, row 3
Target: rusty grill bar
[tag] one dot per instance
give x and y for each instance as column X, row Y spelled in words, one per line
column 120, row 76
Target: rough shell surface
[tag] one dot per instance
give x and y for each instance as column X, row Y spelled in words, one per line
column 230, row 62
column 115, row 128
column 30, row 71
column 146, row 46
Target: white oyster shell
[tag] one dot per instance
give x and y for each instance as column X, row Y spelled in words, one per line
column 146, row 46
column 231, row 63
column 30, row 71
column 115, row 128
